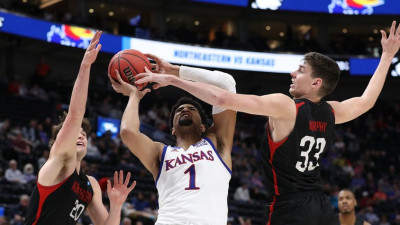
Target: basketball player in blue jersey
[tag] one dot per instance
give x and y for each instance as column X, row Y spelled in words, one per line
column 299, row 130
column 63, row 192
column 192, row 178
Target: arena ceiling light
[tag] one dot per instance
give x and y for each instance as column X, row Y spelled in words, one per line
column 47, row 3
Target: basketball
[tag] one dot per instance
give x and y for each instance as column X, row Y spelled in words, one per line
column 129, row 63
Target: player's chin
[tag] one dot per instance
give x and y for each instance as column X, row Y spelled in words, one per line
column 186, row 122
column 81, row 149
column 292, row 92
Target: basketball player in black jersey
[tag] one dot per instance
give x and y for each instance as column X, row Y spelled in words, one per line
column 63, row 192
column 347, row 214
column 299, row 130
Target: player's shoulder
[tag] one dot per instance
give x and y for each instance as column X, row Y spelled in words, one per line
column 92, row 180
column 210, row 138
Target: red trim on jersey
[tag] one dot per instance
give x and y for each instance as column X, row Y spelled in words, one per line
column 333, row 111
column 298, row 106
column 271, row 210
column 273, row 146
column 44, row 192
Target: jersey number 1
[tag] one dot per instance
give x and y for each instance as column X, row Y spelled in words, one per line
column 306, row 165
column 192, row 179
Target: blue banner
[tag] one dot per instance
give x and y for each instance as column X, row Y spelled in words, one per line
column 363, row 66
column 348, row 7
column 63, row 34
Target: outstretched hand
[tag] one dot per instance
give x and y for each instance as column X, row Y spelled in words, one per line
column 391, row 44
column 161, row 66
column 120, row 191
column 120, row 86
column 160, row 80
column 92, row 50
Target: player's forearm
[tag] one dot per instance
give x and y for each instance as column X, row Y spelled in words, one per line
column 208, row 93
column 174, row 70
column 130, row 119
column 79, row 92
column 377, row 81
column 216, row 78
column 114, row 216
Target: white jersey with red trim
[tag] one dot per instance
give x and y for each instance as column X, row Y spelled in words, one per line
column 193, row 186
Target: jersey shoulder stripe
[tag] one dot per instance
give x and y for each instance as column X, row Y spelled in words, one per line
column 216, row 152
column 161, row 163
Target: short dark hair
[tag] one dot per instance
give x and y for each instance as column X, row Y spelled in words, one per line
column 325, row 68
column 56, row 128
column 187, row 100
column 348, row 190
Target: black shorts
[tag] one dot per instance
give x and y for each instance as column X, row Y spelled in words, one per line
column 305, row 208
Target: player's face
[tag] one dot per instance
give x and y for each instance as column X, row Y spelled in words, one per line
column 186, row 115
column 301, row 81
column 81, row 142
column 347, row 202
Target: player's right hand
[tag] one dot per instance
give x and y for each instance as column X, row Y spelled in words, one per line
column 161, row 66
column 160, row 80
column 120, row 191
column 125, row 88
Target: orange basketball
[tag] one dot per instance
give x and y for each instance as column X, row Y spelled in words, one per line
column 129, row 63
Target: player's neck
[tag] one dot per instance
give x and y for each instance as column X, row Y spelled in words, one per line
column 347, row 218
column 314, row 99
column 186, row 140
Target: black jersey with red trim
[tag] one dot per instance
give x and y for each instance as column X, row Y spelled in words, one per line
column 61, row 204
column 292, row 164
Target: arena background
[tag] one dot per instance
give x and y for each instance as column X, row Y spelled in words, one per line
column 36, row 78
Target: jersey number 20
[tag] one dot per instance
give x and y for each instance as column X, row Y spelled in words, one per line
column 319, row 145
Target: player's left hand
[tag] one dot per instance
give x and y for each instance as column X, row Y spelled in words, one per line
column 391, row 43
column 92, row 50
column 120, row 191
column 120, row 86
column 160, row 80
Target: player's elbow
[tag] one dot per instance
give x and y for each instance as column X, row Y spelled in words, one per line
column 127, row 133
column 367, row 104
column 224, row 100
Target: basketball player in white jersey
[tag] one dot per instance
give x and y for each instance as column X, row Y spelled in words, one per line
column 192, row 178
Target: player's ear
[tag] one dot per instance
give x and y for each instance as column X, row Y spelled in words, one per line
column 317, row 82
column 173, row 131
column 203, row 128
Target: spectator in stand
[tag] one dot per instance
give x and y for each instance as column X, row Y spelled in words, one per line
column 242, row 193
column 3, row 220
column 139, row 202
column 42, row 160
column 13, row 174
column 38, row 93
column 42, row 71
column 13, row 85
column 371, row 216
column 19, row 211
column 30, row 132
column 29, row 175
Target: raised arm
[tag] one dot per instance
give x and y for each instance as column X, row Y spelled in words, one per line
column 273, row 105
column 352, row 108
column 139, row 144
column 63, row 151
column 223, row 129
